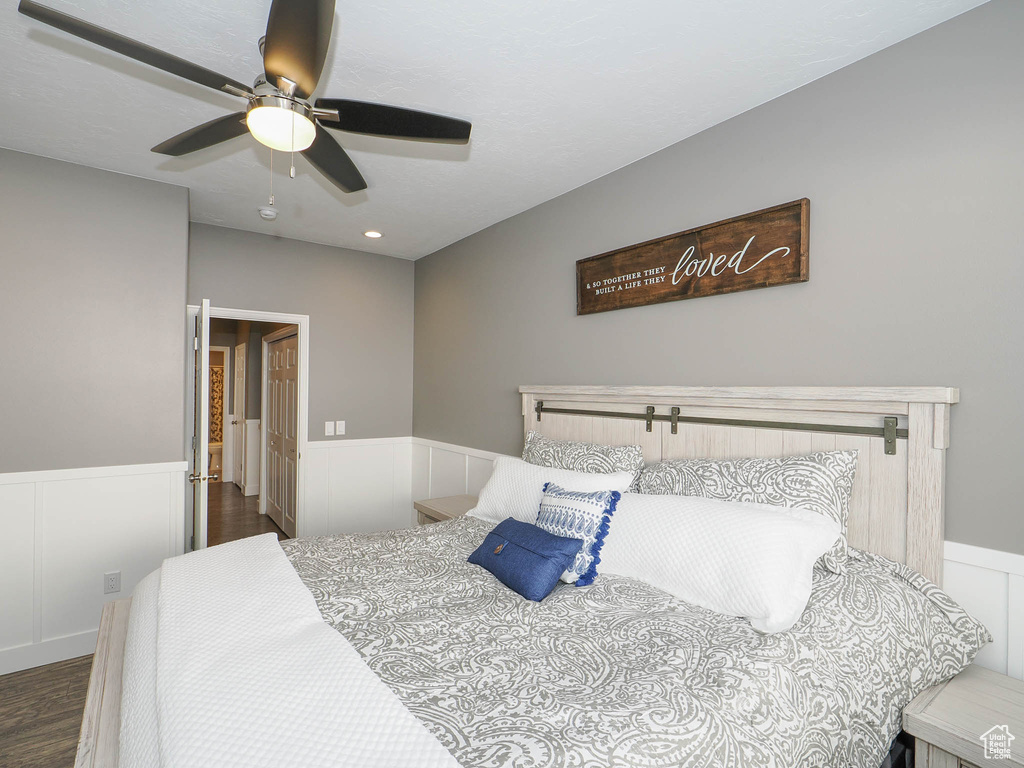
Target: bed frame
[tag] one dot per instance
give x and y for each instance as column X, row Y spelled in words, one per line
column 896, row 509
column 101, row 721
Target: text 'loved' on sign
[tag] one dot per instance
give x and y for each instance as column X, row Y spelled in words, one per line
column 758, row 250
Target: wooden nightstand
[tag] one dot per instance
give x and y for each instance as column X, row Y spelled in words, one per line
column 444, row 508
column 949, row 720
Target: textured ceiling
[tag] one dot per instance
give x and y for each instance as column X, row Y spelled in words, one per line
column 559, row 93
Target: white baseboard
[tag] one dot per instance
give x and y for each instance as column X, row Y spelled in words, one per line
column 47, row 652
column 63, row 530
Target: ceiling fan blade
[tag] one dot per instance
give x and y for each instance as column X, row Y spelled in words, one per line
column 132, row 49
column 332, row 161
column 295, row 48
column 205, row 135
column 383, row 120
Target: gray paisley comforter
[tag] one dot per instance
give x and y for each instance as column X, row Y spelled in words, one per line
column 620, row 673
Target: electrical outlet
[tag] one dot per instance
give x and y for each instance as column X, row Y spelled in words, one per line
column 339, row 428
column 329, row 428
column 111, row 582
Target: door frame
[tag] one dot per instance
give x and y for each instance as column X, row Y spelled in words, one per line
column 239, row 447
column 265, row 342
column 302, row 321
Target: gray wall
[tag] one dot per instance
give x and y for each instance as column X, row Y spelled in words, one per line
column 87, row 258
column 360, row 313
column 913, row 160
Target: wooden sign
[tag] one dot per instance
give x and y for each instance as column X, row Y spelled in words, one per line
column 758, row 250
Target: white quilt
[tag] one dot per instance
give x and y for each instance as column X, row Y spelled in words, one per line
column 248, row 674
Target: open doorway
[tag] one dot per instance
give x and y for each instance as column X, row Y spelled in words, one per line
column 248, row 377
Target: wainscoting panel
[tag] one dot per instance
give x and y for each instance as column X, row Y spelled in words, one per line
column 227, row 458
column 353, row 486
column 251, row 481
column 985, row 594
column 420, row 470
column 17, row 573
column 447, row 472
column 314, row 517
column 404, row 514
column 478, row 472
column 442, row 469
column 64, row 529
column 990, row 585
column 361, row 488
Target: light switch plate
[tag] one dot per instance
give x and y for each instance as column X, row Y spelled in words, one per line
column 328, row 428
column 339, row 429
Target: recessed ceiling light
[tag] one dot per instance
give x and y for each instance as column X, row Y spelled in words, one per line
column 372, row 233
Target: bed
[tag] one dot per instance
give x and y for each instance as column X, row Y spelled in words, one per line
column 620, row 673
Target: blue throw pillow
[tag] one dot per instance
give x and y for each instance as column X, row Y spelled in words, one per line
column 581, row 515
column 524, row 558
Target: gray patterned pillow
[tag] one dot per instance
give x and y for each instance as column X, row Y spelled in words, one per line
column 821, row 482
column 582, row 457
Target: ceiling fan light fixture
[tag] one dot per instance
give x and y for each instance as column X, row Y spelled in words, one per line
column 280, row 123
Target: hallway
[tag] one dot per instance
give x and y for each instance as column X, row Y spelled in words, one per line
column 234, row 516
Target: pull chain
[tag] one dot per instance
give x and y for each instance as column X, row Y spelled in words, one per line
column 291, row 173
column 271, row 177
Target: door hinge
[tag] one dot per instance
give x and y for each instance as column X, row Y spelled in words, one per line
column 193, row 442
column 192, row 543
column 195, row 343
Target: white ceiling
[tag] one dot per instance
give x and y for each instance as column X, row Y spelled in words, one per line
column 559, row 93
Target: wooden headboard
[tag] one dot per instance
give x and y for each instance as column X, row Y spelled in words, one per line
column 897, row 507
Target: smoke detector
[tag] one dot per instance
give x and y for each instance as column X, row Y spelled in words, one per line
column 267, row 213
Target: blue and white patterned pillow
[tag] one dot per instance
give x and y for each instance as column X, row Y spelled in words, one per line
column 578, row 515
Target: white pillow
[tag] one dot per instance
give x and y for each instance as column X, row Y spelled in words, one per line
column 734, row 558
column 517, row 487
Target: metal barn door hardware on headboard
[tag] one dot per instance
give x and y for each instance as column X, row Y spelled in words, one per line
column 888, row 430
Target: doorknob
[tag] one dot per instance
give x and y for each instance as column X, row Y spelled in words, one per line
column 215, row 477
column 192, row 478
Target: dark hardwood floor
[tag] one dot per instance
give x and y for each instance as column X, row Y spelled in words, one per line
column 234, row 516
column 41, row 714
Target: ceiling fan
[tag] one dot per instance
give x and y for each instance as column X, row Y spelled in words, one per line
column 279, row 113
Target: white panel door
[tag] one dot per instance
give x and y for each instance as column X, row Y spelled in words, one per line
column 201, row 434
column 238, row 417
column 282, row 431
